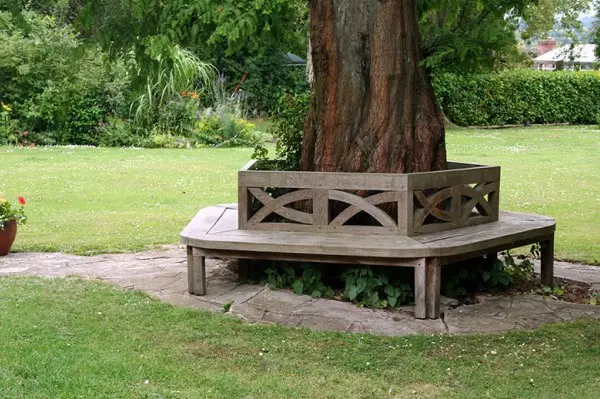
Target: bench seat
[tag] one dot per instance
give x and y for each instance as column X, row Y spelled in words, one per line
column 214, row 232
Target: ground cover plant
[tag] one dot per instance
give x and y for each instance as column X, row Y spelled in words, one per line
column 90, row 200
column 74, row 338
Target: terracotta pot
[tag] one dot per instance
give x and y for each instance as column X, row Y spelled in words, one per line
column 7, row 237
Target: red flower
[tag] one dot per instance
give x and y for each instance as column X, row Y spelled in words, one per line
column 25, row 133
column 22, row 200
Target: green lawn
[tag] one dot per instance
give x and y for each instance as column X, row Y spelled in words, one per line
column 554, row 171
column 89, row 200
column 68, row 338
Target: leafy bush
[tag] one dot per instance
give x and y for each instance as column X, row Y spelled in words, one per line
column 288, row 127
column 226, row 130
column 8, row 126
column 488, row 274
column 268, row 79
column 365, row 287
column 55, row 85
column 516, row 97
column 306, row 279
column 117, row 133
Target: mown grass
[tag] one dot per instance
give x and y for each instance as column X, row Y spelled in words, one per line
column 90, row 200
column 67, row 338
column 553, row 171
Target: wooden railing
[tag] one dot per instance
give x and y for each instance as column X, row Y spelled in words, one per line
column 369, row 203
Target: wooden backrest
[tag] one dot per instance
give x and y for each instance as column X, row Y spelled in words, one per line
column 389, row 203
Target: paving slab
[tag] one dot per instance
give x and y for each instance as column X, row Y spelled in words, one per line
column 162, row 273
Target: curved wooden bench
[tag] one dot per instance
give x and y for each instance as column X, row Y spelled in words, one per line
column 214, row 232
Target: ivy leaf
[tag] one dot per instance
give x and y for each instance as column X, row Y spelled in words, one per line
column 392, row 301
column 361, row 284
column 298, row 287
column 390, row 290
column 372, row 299
column 351, row 292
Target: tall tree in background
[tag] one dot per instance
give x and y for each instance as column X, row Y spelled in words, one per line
column 543, row 16
column 373, row 107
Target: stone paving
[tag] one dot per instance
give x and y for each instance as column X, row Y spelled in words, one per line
column 162, row 273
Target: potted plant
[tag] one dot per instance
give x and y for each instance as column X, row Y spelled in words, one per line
column 10, row 217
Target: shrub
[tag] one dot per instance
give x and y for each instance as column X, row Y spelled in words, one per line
column 54, row 84
column 117, row 133
column 8, row 126
column 178, row 116
column 516, row 97
column 267, row 81
column 226, row 130
column 365, row 286
column 288, row 127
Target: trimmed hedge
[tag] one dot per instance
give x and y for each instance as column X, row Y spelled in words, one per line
column 516, row 97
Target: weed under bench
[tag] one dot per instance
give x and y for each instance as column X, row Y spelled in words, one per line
column 214, row 233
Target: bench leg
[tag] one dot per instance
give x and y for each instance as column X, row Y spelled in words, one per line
column 196, row 272
column 434, row 276
column 547, row 261
column 421, row 290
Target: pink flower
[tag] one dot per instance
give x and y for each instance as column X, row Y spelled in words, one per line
column 25, row 133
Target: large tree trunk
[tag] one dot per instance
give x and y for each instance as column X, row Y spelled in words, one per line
column 373, row 107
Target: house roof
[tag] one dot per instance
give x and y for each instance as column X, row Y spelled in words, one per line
column 578, row 53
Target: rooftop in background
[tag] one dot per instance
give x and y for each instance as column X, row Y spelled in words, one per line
column 581, row 53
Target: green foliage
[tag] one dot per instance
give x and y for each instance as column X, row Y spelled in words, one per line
column 306, row 279
column 269, row 78
column 226, row 130
column 369, row 288
column 485, row 274
column 364, row 285
column 288, row 127
column 543, row 17
column 519, row 96
column 9, row 212
column 179, row 71
column 8, row 126
column 497, row 276
column 475, row 275
column 555, row 291
column 471, row 35
column 57, row 90
column 117, row 133
column 521, row 268
column 236, row 36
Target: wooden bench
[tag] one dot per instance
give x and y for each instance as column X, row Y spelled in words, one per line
column 214, row 233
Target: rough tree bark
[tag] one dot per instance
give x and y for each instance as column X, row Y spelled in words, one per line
column 373, row 108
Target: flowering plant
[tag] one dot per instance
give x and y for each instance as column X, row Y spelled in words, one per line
column 9, row 212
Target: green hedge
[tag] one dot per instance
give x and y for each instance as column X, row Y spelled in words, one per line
column 516, row 97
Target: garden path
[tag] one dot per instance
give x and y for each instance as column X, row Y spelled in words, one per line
column 162, row 274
